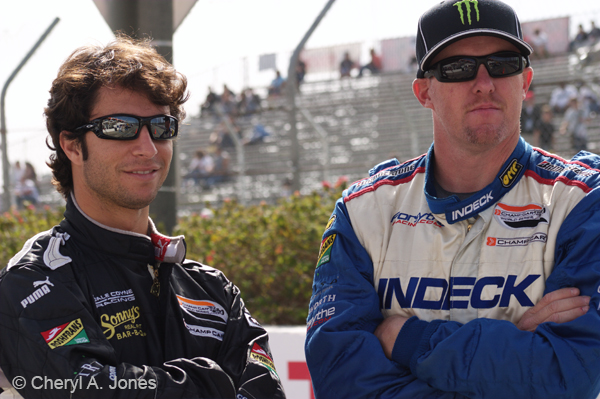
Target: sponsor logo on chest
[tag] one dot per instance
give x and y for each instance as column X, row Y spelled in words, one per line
column 122, row 324
column 521, row 216
column 114, row 297
column 202, row 308
column 456, row 293
column 415, row 220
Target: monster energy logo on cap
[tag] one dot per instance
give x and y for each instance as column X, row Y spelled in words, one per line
column 467, row 4
column 452, row 20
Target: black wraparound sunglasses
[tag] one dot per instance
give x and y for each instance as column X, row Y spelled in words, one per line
column 128, row 127
column 463, row 68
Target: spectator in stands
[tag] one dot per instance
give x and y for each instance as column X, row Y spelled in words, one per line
column 221, row 136
column 574, row 123
column 594, row 35
column 228, row 91
column 249, row 103
column 413, row 65
column 220, row 172
column 539, row 42
column 561, row 96
column 580, row 38
column 374, row 65
column 346, row 66
column 258, row 135
column 200, row 167
column 589, row 99
column 543, row 133
column 26, row 190
column 531, row 114
column 228, row 102
column 300, row 72
column 208, row 106
column 16, row 173
column 277, row 85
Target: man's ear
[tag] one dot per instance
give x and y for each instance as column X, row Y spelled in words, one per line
column 72, row 148
column 527, row 78
column 421, row 90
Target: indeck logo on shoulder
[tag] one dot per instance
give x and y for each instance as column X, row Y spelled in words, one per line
column 467, row 4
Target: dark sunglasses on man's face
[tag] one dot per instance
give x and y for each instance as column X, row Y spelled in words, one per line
column 463, row 68
column 128, row 127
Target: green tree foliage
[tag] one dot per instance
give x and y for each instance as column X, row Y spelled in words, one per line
column 16, row 227
column 268, row 251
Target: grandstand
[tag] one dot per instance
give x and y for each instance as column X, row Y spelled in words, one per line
column 366, row 120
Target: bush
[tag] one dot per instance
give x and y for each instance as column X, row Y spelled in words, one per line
column 268, row 251
column 16, row 227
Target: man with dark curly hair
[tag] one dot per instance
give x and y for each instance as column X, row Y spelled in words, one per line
column 103, row 305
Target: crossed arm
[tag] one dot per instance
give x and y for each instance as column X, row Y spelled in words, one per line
column 559, row 306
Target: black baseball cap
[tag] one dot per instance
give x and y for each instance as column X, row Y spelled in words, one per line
column 454, row 20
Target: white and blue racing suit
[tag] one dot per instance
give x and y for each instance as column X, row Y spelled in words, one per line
column 464, row 272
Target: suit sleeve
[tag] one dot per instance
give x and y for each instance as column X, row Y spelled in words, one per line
column 246, row 355
column 344, row 357
column 58, row 350
column 493, row 359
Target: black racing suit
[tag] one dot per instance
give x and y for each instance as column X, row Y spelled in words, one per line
column 107, row 313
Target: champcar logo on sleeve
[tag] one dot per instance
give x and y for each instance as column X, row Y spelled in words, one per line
column 202, row 308
column 518, row 217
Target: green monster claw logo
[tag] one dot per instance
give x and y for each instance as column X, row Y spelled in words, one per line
column 467, row 4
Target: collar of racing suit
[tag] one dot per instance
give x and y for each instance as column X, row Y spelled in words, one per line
column 152, row 248
column 456, row 210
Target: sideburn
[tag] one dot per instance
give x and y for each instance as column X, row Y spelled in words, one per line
column 83, row 146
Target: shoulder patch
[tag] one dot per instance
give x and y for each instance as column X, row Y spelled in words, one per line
column 71, row 333
column 325, row 251
column 261, row 356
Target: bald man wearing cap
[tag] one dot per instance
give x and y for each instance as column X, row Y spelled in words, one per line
column 471, row 271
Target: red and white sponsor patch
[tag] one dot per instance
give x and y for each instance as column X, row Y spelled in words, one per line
column 51, row 334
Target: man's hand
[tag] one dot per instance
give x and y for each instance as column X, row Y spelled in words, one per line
column 559, row 306
column 388, row 331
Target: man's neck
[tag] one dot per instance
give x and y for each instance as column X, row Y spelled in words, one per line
column 467, row 171
column 132, row 220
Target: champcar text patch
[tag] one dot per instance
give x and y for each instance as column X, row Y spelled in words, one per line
column 518, row 217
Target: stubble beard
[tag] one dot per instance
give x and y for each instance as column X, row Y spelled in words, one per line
column 112, row 193
column 488, row 135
